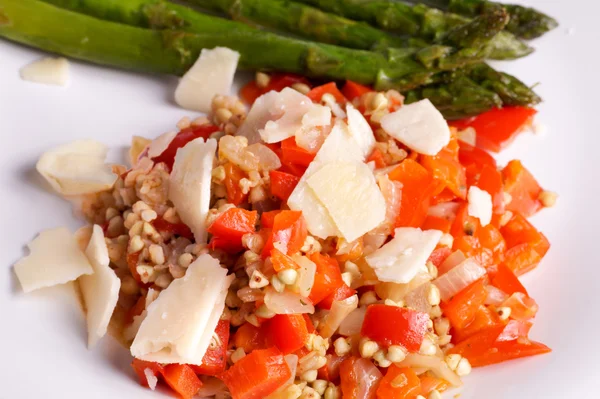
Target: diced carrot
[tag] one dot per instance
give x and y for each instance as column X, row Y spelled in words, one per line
column 352, row 90
column 281, row 261
column 484, row 318
column 399, row 383
column 523, row 189
column 417, row 188
column 215, row 358
column 289, row 230
column 328, row 277
column 282, row 184
column 140, row 366
column 288, row 331
column 233, row 175
column 462, row 307
column 330, row 88
column 257, row 374
column 507, row 281
column 182, row 379
column 392, row 325
column 291, row 153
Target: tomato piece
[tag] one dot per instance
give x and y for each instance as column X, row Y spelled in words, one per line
column 506, row 280
column 229, row 228
column 329, row 88
column 377, row 158
column 352, row 90
column 462, row 307
column 339, row 294
column 140, row 366
column 282, row 184
column 178, row 229
column 289, row 229
column 181, row 139
column 328, row 277
column 291, row 153
column 233, row 175
column 417, row 189
column 498, row 127
column 288, row 331
column 392, row 325
column 399, row 383
column 251, row 338
column 523, row 189
column 359, row 378
column 182, row 379
column 519, row 231
column 215, row 358
column 257, row 374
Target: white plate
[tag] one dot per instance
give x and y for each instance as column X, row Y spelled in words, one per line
column 44, row 351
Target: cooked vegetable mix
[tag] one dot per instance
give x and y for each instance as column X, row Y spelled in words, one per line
column 315, row 239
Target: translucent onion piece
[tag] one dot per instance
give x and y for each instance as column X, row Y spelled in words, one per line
column 211, row 386
column 495, row 296
column 436, row 364
column 417, row 298
column 339, row 311
column 453, row 260
column 287, row 302
column 459, row 278
column 352, row 324
column 267, row 159
column 306, row 275
column 368, row 375
column 392, row 193
column 445, row 210
column 397, row 291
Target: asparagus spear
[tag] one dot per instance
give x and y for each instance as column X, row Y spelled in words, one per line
column 419, row 21
column 525, row 22
column 66, row 32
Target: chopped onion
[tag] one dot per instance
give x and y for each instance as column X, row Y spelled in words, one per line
column 211, row 386
column 417, row 298
column 459, row 278
column 352, row 324
column 368, row 376
column 248, row 294
column 397, row 291
column 495, row 296
column 287, row 302
column 392, row 193
column 339, row 311
column 267, row 159
column 306, row 275
column 453, row 260
column 436, row 364
column 445, row 210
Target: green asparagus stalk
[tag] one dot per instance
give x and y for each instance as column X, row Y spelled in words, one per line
column 525, row 22
column 419, row 21
column 80, row 36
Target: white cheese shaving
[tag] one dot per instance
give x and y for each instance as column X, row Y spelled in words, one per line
column 211, row 74
column 338, row 146
column 100, row 290
column 360, row 130
column 52, row 71
column 77, row 168
column 419, row 126
column 181, row 322
column 400, row 260
column 480, row 205
column 54, row 258
column 189, row 184
column 350, row 194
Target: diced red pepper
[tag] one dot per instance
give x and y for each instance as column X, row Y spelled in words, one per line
column 392, row 325
column 484, row 318
column 417, row 190
column 521, row 259
column 182, row 379
column 490, row 180
column 462, row 307
column 339, row 294
column 132, row 262
column 282, row 184
column 359, row 378
column 430, row 383
column 328, row 277
column 330, row 88
column 281, row 261
column 437, row 223
column 277, row 82
column 233, row 175
column 289, row 229
column 179, row 229
column 251, row 338
column 498, row 127
column 399, row 383
column 522, row 307
column 519, row 231
column 469, row 155
column 215, row 358
column 507, row 281
column 257, row 374
column 140, row 366
column 352, row 90
column 291, row 153
column 289, row 332
column 181, row 139
column 331, row 371
column 250, row 92
column 445, row 167
column 523, row 189
column 439, row 255
column 229, row 228
column 267, row 219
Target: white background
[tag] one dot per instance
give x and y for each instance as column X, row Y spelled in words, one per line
column 43, row 335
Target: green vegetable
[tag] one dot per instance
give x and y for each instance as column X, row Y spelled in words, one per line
column 525, row 22
column 80, row 36
column 418, row 21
